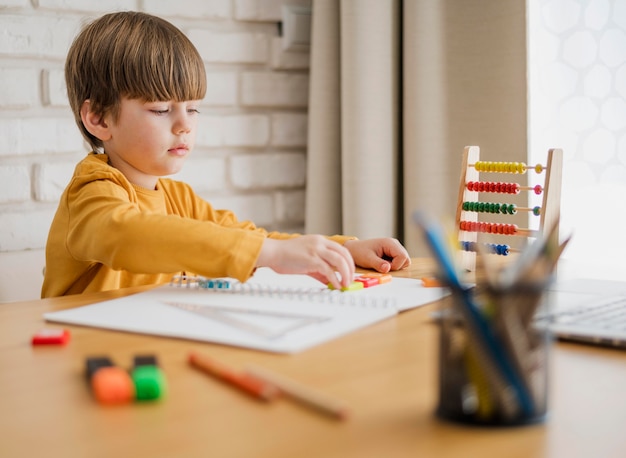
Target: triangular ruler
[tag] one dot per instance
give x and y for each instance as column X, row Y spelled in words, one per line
column 274, row 324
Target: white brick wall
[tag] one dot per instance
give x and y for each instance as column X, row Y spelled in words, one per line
column 250, row 152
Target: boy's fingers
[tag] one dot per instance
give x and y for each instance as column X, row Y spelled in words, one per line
column 341, row 261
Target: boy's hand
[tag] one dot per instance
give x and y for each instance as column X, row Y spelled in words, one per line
column 382, row 255
column 312, row 255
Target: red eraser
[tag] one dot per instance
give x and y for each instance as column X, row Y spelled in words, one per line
column 51, row 337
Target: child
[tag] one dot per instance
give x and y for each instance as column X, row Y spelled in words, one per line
column 135, row 83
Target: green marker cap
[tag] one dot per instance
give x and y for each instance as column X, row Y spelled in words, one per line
column 150, row 383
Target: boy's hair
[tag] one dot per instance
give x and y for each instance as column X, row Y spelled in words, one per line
column 133, row 55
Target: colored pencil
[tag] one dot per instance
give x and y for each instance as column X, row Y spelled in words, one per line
column 251, row 385
column 301, row 393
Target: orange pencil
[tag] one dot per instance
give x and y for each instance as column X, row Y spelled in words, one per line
column 251, row 385
column 301, row 393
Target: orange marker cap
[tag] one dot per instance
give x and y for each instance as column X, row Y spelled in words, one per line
column 109, row 383
column 112, row 385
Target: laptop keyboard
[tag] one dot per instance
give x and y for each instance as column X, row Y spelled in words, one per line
column 610, row 314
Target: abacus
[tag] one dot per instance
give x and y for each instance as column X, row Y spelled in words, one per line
column 471, row 231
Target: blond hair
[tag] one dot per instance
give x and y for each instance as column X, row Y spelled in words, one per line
column 133, row 55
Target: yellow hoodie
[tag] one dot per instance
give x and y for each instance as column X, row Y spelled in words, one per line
column 108, row 234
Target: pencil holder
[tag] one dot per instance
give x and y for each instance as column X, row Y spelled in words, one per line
column 493, row 356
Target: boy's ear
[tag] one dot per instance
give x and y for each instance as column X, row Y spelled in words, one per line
column 94, row 123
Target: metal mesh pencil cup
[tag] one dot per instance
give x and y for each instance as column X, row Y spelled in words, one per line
column 493, row 364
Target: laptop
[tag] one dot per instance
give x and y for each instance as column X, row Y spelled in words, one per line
column 588, row 311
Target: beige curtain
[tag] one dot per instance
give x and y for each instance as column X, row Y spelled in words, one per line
column 352, row 185
column 398, row 88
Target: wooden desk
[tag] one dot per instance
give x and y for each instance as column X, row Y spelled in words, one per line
column 386, row 373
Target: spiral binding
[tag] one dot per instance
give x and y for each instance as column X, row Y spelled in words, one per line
column 321, row 295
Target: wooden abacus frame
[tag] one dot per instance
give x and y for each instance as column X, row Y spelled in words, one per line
column 549, row 211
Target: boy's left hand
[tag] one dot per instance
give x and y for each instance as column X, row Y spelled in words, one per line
column 382, row 255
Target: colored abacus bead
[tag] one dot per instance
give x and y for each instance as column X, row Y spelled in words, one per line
column 502, row 250
column 500, row 167
column 538, row 189
column 493, row 248
column 490, row 228
column 490, row 207
column 495, row 187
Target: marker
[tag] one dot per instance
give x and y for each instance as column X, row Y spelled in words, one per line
column 109, row 384
column 354, row 286
column 431, row 282
column 367, row 281
column 251, row 385
column 149, row 380
column 382, row 278
column 301, row 393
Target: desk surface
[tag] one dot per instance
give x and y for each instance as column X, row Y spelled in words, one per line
column 386, row 373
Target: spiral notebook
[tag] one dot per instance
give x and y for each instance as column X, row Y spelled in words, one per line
column 270, row 312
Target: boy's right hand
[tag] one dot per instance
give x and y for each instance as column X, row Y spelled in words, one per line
column 313, row 255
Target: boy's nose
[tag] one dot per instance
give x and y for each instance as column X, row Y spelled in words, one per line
column 182, row 125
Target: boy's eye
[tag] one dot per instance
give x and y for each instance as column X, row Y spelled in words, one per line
column 193, row 110
column 160, row 112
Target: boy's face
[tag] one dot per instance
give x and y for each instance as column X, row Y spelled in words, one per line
column 151, row 139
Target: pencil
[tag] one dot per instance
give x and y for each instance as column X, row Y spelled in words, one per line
column 301, row 393
column 252, row 385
